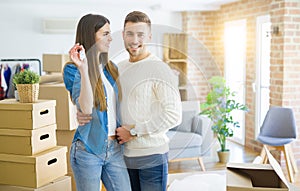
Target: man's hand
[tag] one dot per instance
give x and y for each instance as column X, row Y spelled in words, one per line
column 83, row 118
column 123, row 134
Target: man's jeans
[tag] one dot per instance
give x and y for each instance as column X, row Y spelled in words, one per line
column 88, row 168
column 150, row 177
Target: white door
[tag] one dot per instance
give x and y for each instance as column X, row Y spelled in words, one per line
column 235, row 67
column 261, row 86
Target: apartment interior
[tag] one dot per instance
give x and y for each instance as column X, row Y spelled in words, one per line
column 253, row 44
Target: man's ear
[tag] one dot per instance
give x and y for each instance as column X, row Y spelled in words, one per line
column 150, row 36
column 123, row 34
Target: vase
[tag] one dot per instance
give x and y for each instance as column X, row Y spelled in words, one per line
column 28, row 93
column 224, row 156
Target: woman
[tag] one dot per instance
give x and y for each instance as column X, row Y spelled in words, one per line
column 95, row 153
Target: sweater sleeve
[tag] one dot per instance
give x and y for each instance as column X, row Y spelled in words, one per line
column 165, row 110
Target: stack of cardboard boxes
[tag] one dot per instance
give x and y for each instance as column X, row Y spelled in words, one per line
column 30, row 159
column 65, row 110
column 65, row 115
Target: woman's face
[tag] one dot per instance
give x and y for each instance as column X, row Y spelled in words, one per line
column 103, row 38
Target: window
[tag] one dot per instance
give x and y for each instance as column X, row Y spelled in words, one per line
column 235, row 66
column 261, row 86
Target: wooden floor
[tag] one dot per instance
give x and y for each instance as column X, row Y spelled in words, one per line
column 238, row 154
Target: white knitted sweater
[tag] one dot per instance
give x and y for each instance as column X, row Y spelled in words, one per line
column 151, row 102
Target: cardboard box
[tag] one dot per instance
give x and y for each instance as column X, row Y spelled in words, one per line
column 256, row 177
column 65, row 109
column 54, row 62
column 61, row 184
column 72, row 181
column 33, row 171
column 27, row 142
column 16, row 115
column 65, row 138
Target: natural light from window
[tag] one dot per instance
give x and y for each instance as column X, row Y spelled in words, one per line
column 235, row 63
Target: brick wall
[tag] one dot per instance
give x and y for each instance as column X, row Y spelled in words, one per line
column 286, row 64
column 201, row 62
column 207, row 29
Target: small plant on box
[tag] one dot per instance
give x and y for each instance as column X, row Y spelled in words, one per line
column 27, row 84
column 26, row 77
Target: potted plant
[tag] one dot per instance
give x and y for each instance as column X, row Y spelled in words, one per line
column 27, row 84
column 218, row 107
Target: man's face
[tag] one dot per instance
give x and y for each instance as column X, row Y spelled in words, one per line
column 135, row 35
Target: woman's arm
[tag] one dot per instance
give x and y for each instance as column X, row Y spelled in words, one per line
column 85, row 98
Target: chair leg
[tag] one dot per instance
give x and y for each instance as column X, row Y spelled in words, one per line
column 288, row 156
column 200, row 161
column 263, row 155
column 292, row 157
column 288, row 163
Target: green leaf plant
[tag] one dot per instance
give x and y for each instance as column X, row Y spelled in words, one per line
column 218, row 107
column 26, row 77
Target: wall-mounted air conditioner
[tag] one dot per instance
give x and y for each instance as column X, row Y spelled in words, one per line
column 59, row 25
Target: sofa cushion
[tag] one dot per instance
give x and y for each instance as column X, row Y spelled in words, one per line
column 180, row 140
column 187, row 120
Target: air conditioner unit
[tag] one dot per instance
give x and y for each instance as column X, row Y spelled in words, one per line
column 60, row 25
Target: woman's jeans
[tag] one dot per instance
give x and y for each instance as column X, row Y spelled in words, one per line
column 109, row 167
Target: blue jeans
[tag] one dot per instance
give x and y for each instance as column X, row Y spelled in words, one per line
column 89, row 168
column 152, row 178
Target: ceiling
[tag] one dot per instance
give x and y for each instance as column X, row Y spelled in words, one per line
column 168, row 5
column 188, row 5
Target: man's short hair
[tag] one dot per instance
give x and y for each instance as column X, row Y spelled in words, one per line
column 136, row 17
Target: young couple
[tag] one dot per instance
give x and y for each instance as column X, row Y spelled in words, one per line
column 124, row 112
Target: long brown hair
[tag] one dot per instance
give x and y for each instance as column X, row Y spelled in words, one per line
column 85, row 35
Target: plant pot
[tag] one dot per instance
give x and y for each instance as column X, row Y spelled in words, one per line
column 28, row 93
column 224, row 156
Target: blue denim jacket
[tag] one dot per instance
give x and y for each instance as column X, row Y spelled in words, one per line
column 95, row 133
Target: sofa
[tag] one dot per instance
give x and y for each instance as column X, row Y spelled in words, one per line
column 192, row 139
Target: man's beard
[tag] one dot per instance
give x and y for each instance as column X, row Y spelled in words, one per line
column 137, row 52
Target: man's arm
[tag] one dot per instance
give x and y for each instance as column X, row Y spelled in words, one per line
column 83, row 118
column 123, row 132
column 165, row 112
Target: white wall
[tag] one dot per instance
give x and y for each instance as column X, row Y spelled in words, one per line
column 21, row 25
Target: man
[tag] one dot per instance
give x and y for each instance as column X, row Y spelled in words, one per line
column 150, row 106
